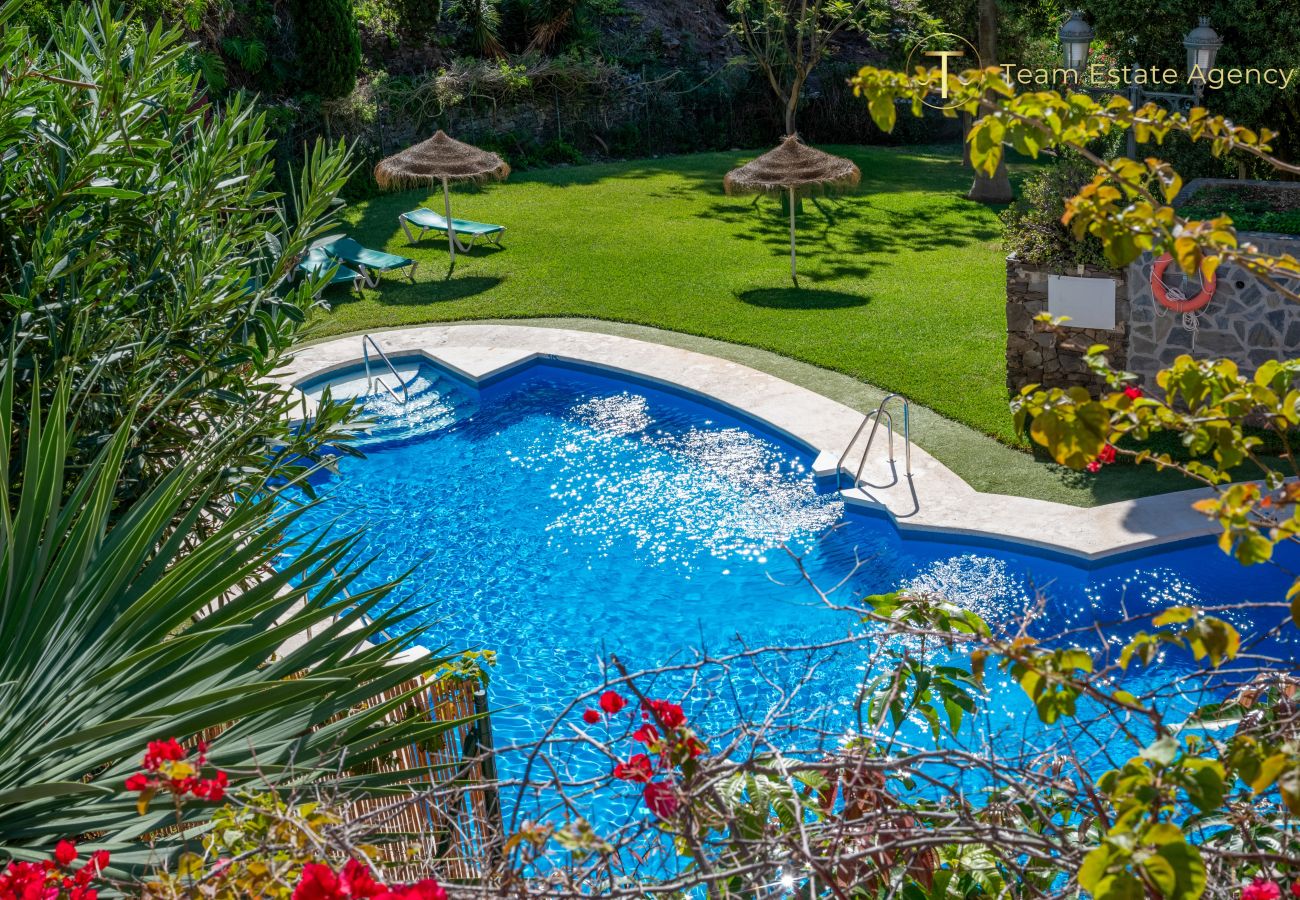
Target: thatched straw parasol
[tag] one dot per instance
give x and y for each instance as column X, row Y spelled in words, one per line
column 444, row 159
column 794, row 167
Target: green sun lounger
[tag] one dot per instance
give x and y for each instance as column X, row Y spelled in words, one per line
column 428, row 220
column 368, row 262
column 317, row 261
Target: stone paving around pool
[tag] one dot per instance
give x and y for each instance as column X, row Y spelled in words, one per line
column 934, row 500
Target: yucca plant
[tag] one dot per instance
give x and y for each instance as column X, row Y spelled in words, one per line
column 122, row 626
column 482, row 20
column 548, row 22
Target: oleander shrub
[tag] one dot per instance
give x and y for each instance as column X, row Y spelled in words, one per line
column 145, row 254
column 148, row 583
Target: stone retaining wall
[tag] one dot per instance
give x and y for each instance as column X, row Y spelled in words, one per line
column 1245, row 321
column 1054, row 358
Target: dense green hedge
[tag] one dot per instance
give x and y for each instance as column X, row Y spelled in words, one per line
column 1034, row 232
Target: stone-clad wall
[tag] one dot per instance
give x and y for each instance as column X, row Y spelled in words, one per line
column 1037, row 355
column 1245, row 321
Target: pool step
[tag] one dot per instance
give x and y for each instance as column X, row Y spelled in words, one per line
column 433, row 401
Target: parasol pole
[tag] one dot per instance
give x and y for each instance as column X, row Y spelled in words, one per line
column 794, row 275
column 451, row 231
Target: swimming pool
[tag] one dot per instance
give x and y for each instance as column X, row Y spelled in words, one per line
column 559, row 515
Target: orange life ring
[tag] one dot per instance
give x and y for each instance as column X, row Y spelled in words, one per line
column 1178, row 303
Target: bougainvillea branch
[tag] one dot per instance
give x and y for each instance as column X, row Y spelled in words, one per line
column 1127, row 206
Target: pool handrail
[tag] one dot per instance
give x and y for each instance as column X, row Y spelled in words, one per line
column 874, row 417
column 368, row 341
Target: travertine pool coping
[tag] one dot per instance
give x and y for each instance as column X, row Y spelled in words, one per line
column 935, row 501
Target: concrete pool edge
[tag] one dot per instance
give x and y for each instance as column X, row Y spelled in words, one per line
column 942, row 503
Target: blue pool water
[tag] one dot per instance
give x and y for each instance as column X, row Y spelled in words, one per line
column 559, row 516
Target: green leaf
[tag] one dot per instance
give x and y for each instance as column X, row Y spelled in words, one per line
column 1161, row 751
column 51, row 790
column 1177, row 867
column 114, row 193
column 1174, row 615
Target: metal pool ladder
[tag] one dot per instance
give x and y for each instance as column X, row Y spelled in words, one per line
column 874, row 417
column 371, row 380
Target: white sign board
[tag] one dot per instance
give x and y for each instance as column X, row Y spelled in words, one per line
column 1089, row 302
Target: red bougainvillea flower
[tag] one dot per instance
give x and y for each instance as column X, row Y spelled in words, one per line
column 213, row 788
column 660, row 799
column 64, row 853
column 1295, row 889
column 1132, row 392
column 29, row 880
column 358, row 881
column 1105, row 457
column 693, row 746
column 45, row 881
column 670, row 715
column 1260, row 889
column 317, row 882
column 320, row 882
column 646, row 734
column 611, row 702
column 421, row 890
column 590, row 716
column 638, row 768
column 160, row 752
column 167, row 766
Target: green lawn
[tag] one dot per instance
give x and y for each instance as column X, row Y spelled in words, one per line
column 903, row 289
column 902, row 281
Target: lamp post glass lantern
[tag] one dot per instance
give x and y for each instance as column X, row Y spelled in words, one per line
column 1076, row 41
column 1202, row 44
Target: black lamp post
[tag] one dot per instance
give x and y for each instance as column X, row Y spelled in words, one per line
column 1202, row 44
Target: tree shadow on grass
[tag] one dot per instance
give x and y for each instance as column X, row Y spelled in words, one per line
column 392, row 292
column 849, row 237
column 801, row 298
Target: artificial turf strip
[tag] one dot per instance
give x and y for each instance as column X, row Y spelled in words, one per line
column 903, row 286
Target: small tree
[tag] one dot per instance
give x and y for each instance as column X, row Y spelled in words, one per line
column 995, row 186
column 1207, row 404
column 329, row 48
column 788, row 38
